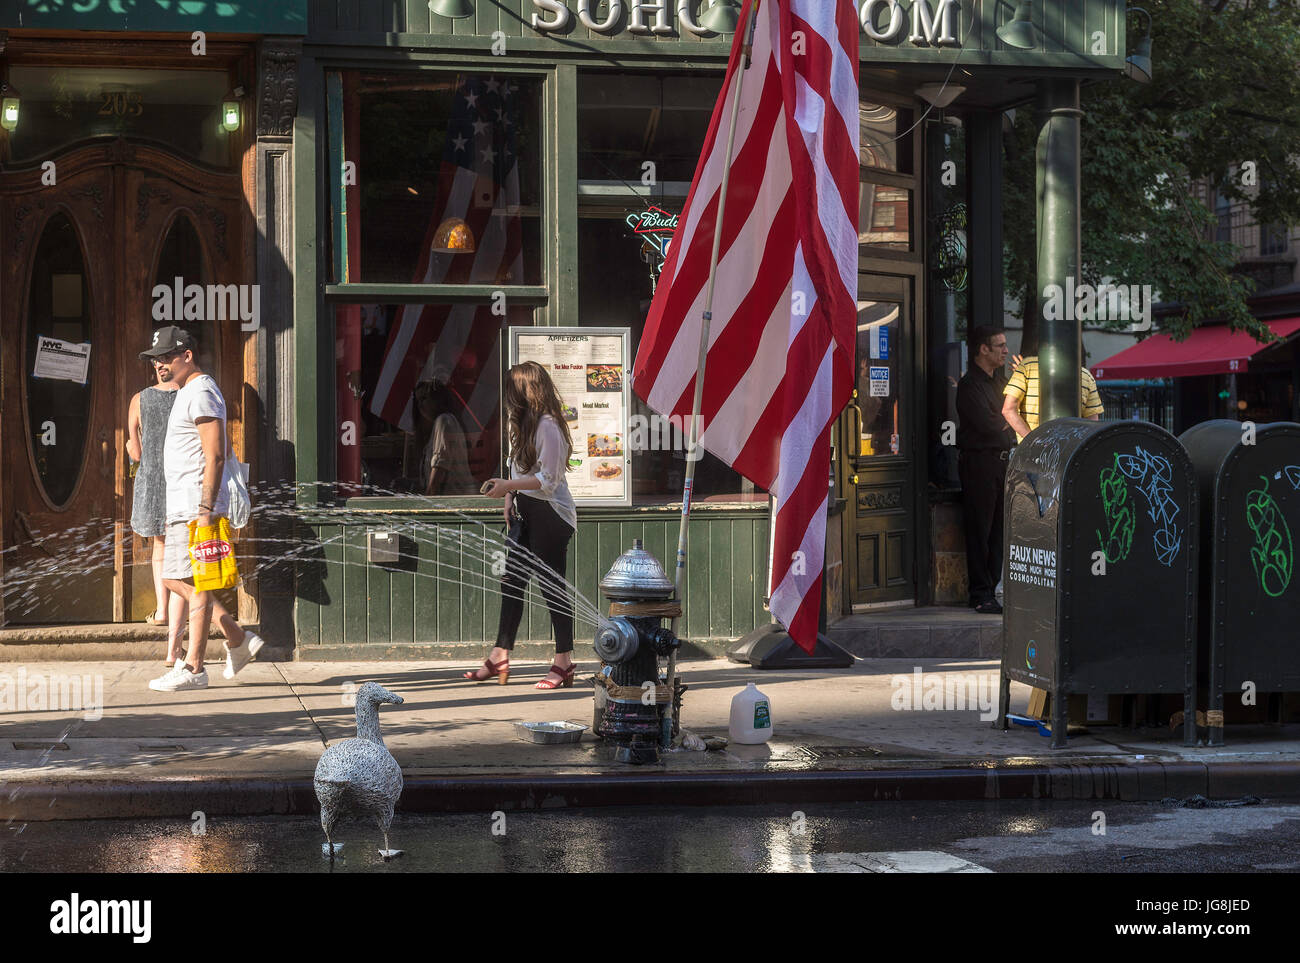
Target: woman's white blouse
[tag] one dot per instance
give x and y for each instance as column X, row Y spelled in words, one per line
column 550, row 471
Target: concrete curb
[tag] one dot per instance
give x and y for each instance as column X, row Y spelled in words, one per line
column 1139, row 782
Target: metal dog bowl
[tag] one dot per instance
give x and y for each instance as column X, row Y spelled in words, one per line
column 549, row 733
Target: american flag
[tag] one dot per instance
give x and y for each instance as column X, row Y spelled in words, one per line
column 781, row 343
column 478, row 183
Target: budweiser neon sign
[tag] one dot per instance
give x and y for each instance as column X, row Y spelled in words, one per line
column 654, row 221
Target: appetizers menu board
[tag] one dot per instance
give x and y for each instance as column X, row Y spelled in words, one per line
column 589, row 367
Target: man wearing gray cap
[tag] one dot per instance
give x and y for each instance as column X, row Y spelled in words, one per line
column 194, row 457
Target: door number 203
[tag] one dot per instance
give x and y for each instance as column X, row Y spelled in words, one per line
column 121, row 103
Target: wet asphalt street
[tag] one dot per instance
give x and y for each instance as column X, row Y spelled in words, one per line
column 954, row 836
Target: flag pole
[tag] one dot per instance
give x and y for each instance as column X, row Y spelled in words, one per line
column 692, row 455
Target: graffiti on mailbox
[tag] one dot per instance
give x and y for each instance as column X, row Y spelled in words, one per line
column 1154, row 478
column 1152, row 475
column 1272, row 554
column 1120, row 520
column 1044, row 453
column 1292, row 473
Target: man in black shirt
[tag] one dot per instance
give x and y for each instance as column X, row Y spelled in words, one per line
column 984, row 440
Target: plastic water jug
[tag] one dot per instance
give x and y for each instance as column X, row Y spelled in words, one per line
column 751, row 717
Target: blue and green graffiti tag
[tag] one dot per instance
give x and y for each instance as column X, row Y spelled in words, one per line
column 1153, row 477
column 1121, row 521
column 1271, row 554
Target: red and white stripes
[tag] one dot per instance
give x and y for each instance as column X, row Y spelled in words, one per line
column 780, row 356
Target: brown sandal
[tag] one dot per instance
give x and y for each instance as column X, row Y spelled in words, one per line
column 152, row 620
column 566, row 678
column 500, row 669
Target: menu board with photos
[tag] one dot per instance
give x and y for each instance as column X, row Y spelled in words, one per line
column 589, row 367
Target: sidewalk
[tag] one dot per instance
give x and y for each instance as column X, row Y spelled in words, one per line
column 251, row 746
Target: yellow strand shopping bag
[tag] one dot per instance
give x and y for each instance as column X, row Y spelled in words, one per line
column 212, row 556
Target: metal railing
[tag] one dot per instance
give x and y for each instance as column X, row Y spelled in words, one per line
column 1153, row 402
column 1238, row 227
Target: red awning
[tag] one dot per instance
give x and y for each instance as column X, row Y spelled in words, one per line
column 1208, row 351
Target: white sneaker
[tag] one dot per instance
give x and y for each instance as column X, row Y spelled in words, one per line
column 179, row 679
column 241, row 655
column 164, row 681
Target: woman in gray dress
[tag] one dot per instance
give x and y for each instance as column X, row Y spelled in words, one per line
column 147, row 429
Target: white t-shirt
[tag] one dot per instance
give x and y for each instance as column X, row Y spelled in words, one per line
column 183, row 451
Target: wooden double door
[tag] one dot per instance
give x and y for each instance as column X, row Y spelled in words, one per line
column 84, row 241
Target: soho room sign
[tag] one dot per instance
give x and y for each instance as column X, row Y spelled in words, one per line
column 922, row 22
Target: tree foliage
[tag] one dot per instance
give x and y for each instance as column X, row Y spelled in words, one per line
column 1225, row 90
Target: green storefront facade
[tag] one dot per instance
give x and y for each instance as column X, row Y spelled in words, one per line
column 360, row 106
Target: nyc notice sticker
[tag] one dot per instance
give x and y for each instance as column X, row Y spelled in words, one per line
column 879, row 382
column 63, row 360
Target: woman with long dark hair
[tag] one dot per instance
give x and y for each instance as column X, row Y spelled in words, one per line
column 541, row 517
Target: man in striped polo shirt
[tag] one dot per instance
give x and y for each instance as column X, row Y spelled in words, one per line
column 1020, row 398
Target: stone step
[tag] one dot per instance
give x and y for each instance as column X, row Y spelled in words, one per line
column 105, row 642
column 936, row 632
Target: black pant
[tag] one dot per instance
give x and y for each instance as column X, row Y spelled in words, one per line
column 538, row 528
column 983, row 474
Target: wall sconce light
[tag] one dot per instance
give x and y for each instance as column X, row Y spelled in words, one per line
column 1139, row 62
column 940, row 95
column 9, row 103
column 453, row 237
column 230, row 111
column 452, row 9
column 723, row 16
column 1020, row 32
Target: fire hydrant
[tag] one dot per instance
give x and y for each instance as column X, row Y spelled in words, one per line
column 631, row 696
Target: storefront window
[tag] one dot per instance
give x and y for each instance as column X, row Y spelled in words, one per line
column 628, row 120
column 178, row 108
column 418, row 390
column 887, row 137
column 625, row 228
column 884, row 137
column 615, row 285
column 441, row 177
column 878, row 374
column 885, row 216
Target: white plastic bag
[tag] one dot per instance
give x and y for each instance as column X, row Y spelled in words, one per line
column 236, row 482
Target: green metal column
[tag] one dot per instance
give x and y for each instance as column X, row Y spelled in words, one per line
column 309, row 347
column 984, row 247
column 562, row 186
column 1058, row 118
